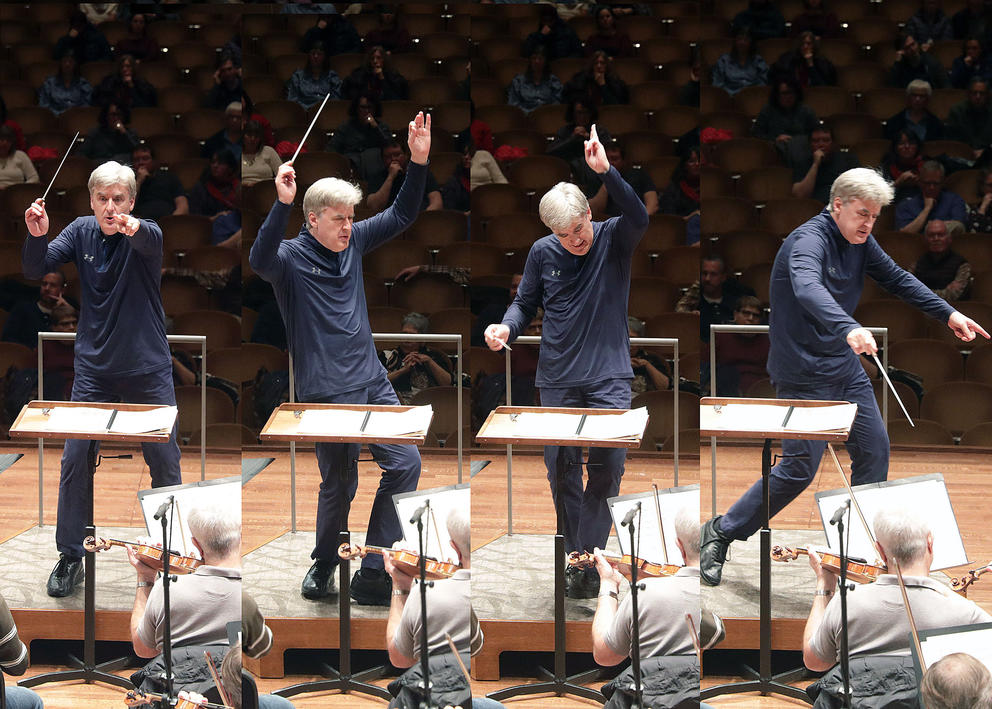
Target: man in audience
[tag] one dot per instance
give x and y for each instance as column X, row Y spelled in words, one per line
column 917, row 117
column 913, row 63
column 970, row 120
column 932, row 202
column 815, row 171
column 713, row 296
column 638, row 179
column 159, row 192
column 945, row 272
column 384, row 187
column 28, row 318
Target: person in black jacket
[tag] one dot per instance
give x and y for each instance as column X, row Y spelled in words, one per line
column 557, row 38
column 597, row 83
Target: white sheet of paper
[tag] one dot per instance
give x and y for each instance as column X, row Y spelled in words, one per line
column 79, row 418
column 442, row 501
column 671, row 502
column 158, row 419
column 400, row 423
column 742, row 417
column 535, row 425
column 822, row 418
column 334, row 421
column 977, row 643
column 626, row 425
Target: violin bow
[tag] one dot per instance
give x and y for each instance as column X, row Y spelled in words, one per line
column 695, row 641
column 454, row 650
column 661, row 527
column 224, row 697
column 909, row 612
column 854, row 502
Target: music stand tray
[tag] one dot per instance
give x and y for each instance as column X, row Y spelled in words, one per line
column 501, row 427
column 770, row 419
column 33, row 422
column 284, row 425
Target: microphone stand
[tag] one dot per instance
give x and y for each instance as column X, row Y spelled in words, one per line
column 845, row 668
column 167, row 700
column 425, row 669
column 635, row 639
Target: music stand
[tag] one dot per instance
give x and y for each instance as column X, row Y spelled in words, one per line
column 506, row 426
column 285, row 425
column 768, row 419
column 32, row 422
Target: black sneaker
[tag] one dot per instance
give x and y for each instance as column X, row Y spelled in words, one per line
column 713, row 546
column 580, row 583
column 371, row 587
column 66, row 574
column 319, row 581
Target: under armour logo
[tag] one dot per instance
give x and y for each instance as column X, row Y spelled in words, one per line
column 832, row 271
column 88, row 257
column 315, row 270
column 555, row 272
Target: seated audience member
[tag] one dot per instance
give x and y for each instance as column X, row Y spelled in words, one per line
column 877, row 622
column 384, row 187
column 201, row 603
column 112, row 138
column 59, row 355
column 651, row 373
column 258, row 161
column 14, row 661
column 917, row 117
column 311, row 83
column 159, row 192
column 86, row 41
column 815, row 168
column 362, row 136
column 336, row 33
column 979, row 215
column 5, row 120
column 761, row 18
column 66, row 88
column 972, row 20
column 124, row 87
column 689, row 91
column 681, row 195
column 136, row 42
column 553, row 36
column 597, row 84
column 413, row 365
column 28, row 318
column 741, row 357
column 229, row 137
column 970, row 121
column 929, row 24
column 217, row 195
column 785, row 116
column 16, row 167
column 390, row 34
column 945, row 272
column 742, row 66
column 713, row 296
column 805, row 64
column 957, row 680
column 601, row 202
column 268, row 137
column 376, row 77
column 569, row 142
column 914, row 63
column 455, row 192
column 607, row 38
column 817, row 19
column 902, row 163
column 535, row 87
column 227, row 83
column 974, row 61
column 932, row 201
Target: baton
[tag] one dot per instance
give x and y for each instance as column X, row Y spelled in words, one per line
column 60, row 166
column 315, row 117
column 892, row 389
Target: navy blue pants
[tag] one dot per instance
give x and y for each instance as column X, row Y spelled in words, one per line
column 868, row 446
column 587, row 519
column 162, row 458
column 400, row 473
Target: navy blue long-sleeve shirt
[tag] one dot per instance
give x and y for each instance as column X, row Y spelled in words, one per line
column 121, row 327
column 584, row 339
column 816, row 283
column 321, row 293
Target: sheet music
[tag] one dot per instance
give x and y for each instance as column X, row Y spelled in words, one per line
column 400, row 423
column 629, row 424
column 742, row 417
column 79, row 418
column 672, row 501
column 337, row 421
column 822, row 418
column 536, row 425
column 161, row 418
column 977, row 643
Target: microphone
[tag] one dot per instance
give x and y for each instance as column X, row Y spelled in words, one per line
column 840, row 511
column 420, row 512
column 160, row 513
column 629, row 517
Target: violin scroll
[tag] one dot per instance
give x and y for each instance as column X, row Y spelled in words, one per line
column 781, row 553
column 94, row 544
column 351, row 551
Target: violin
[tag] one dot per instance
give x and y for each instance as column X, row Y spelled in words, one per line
column 150, row 555
column 858, row 570
column 186, row 700
column 406, row 561
column 645, row 569
column 960, row 585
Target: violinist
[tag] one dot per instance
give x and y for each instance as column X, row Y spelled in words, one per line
column 14, row 661
column 202, row 603
column 877, row 622
column 957, row 680
column 448, row 613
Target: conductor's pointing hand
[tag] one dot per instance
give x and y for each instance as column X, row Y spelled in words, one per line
column 595, row 154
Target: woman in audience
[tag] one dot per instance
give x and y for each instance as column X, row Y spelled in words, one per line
column 136, row 42
column 681, row 196
column 258, row 161
column 311, row 83
column 607, row 38
column 362, row 136
column 805, row 64
column 974, row 61
column 902, row 163
column 741, row 67
column 67, row 88
column 217, row 194
column 785, row 116
column 537, row 86
column 377, row 77
column 124, row 87
column 15, row 165
column 598, row 83
column 112, row 139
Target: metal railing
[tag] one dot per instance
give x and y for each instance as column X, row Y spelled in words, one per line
column 71, row 336
column 763, row 329
column 642, row 341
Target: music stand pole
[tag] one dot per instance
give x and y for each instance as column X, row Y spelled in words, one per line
column 166, row 584
column 425, row 667
column 635, row 644
column 845, row 661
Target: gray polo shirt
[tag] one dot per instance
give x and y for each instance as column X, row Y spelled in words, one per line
column 203, row 603
column 448, row 611
column 662, row 606
column 877, row 622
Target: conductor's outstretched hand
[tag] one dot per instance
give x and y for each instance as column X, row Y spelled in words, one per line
column 964, row 327
column 595, row 154
column 36, row 218
column 419, row 138
column 286, row 183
